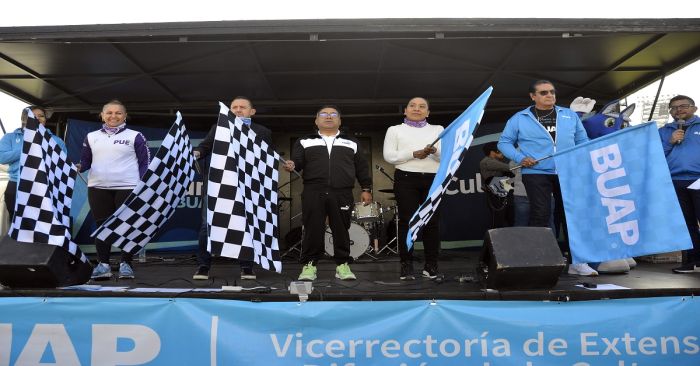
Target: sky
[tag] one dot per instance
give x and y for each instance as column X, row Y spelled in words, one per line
column 685, row 81
column 79, row 12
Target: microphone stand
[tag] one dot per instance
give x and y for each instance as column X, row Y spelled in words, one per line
column 384, row 172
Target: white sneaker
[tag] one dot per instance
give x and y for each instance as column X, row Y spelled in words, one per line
column 582, row 269
column 614, row 266
column 631, row 262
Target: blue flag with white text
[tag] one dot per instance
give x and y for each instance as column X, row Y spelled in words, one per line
column 618, row 197
column 454, row 142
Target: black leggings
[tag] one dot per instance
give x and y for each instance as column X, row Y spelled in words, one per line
column 411, row 189
column 10, row 198
column 103, row 203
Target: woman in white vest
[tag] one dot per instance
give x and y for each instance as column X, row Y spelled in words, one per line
column 117, row 158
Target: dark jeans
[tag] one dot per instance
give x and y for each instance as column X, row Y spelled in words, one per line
column 540, row 189
column 10, row 198
column 522, row 210
column 689, row 199
column 103, row 203
column 203, row 256
column 501, row 209
column 411, row 190
column 316, row 206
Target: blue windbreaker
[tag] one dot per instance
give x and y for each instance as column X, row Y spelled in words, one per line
column 525, row 133
column 683, row 159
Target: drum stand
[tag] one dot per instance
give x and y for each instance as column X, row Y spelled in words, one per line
column 374, row 231
column 395, row 239
column 296, row 247
column 388, row 247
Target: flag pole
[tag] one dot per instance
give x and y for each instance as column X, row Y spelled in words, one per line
column 435, row 142
column 295, row 172
column 82, row 178
column 536, row 161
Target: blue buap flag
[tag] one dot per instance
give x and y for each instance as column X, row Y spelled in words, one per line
column 618, row 197
column 454, row 142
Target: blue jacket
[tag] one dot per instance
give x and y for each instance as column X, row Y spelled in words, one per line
column 11, row 149
column 524, row 132
column 683, row 159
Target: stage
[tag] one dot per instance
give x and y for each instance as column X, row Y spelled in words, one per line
column 170, row 275
column 163, row 317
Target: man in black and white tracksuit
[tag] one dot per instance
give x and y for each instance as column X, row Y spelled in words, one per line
column 330, row 161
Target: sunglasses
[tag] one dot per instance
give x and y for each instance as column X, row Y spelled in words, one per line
column 325, row 114
column 546, row 92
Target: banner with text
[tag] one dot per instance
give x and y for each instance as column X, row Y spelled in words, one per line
column 181, row 331
column 619, row 198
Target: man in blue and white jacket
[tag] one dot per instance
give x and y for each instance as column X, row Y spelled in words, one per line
column 538, row 132
column 681, row 142
column 10, row 151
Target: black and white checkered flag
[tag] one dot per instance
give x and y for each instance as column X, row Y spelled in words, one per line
column 242, row 195
column 44, row 192
column 428, row 208
column 155, row 198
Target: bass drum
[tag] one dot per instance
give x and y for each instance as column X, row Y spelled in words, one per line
column 359, row 240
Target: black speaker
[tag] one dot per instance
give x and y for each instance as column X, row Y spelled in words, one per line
column 516, row 258
column 33, row 265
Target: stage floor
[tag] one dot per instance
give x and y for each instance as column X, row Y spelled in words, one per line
column 377, row 280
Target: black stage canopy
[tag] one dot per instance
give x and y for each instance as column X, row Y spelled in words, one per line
column 368, row 67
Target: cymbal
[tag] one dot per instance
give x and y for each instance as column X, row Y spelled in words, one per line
column 284, row 198
column 386, row 190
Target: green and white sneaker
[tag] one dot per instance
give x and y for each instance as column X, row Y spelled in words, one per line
column 343, row 272
column 308, row 273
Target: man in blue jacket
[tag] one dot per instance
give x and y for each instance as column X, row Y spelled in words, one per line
column 10, row 151
column 539, row 131
column 681, row 142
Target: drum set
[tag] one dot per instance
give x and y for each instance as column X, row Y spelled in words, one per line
column 368, row 230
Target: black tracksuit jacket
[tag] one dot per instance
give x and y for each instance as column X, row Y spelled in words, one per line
column 335, row 172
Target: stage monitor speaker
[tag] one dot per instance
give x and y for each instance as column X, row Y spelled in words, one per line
column 33, row 265
column 515, row 258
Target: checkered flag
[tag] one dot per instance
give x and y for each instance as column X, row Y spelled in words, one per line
column 155, row 198
column 429, row 207
column 44, row 192
column 242, row 195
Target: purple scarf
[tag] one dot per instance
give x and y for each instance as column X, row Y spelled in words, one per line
column 417, row 124
column 113, row 130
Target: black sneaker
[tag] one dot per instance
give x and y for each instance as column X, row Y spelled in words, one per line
column 430, row 270
column 407, row 271
column 687, row 268
column 201, row 274
column 247, row 273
